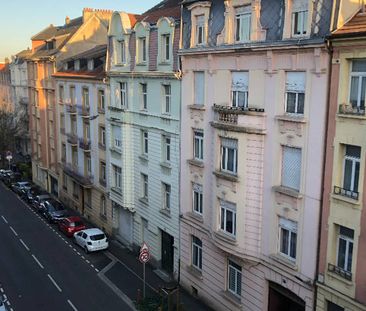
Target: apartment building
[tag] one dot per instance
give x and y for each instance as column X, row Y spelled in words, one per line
column 342, row 274
column 143, row 129
column 254, row 106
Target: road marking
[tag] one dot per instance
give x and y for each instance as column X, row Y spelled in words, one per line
column 82, row 257
column 12, row 229
column 5, row 297
column 71, row 304
column 25, row 245
column 1, row 290
column 4, row 219
column 37, row 261
column 87, row 261
column 54, row 283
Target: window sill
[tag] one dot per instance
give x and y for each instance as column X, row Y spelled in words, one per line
column 345, row 199
column 117, row 109
column 117, row 190
column 339, row 278
column 287, row 191
column 226, row 176
column 103, row 217
column 165, row 63
column 232, row 298
column 195, row 272
column 165, row 212
column 195, row 216
column 121, row 65
column 113, row 149
column 292, row 118
column 144, row 201
column 225, row 237
column 197, row 107
column 144, row 157
column 166, row 165
column 285, row 261
column 144, row 63
column 196, row 163
column 166, row 115
column 352, row 116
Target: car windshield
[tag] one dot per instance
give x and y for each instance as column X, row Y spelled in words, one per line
column 97, row 237
column 54, row 206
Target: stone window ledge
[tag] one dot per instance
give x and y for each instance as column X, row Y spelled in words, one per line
column 144, row 201
column 345, row 199
column 197, row 107
column 226, row 176
column 291, row 118
column 232, row 298
column 195, row 272
column 195, row 216
column 165, row 212
column 196, row 163
column 225, row 238
column 287, row 191
column 285, row 261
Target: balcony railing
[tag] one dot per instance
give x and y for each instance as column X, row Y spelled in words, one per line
column 85, row 112
column 346, row 193
column 85, row 180
column 72, row 138
column 71, row 108
column 341, row 272
column 352, row 110
column 84, row 144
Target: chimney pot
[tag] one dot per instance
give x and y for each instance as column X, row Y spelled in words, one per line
column 67, row 20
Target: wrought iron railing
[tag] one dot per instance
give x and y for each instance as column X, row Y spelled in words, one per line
column 346, row 193
column 341, row 272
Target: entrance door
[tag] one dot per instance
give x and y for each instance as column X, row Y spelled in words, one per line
column 167, row 252
column 125, row 225
column 282, row 299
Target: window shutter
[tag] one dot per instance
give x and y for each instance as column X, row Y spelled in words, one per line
column 291, row 167
column 229, row 143
column 295, row 82
column 288, row 224
column 299, row 5
column 240, row 81
column 246, row 20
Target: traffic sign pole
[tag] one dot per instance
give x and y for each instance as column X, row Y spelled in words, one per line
column 143, row 289
column 144, row 258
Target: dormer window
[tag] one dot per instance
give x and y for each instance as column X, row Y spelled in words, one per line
column 299, row 19
column 77, row 65
column 91, row 64
column 50, row 45
column 200, row 29
column 242, row 23
column 142, row 49
column 165, row 47
column 123, row 52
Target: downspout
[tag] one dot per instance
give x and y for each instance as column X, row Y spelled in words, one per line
column 330, row 53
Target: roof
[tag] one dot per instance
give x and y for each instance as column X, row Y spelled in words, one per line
column 97, row 51
column 92, row 231
column 166, row 8
column 133, row 18
column 356, row 26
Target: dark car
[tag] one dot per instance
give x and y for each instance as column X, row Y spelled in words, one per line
column 4, row 173
column 38, row 200
column 19, row 186
column 53, row 210
column 12, row 178
column 30, row 194
column 70, row 225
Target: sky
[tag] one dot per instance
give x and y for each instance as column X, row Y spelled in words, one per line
column 21, row 19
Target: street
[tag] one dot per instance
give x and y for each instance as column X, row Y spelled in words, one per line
column 40, row 269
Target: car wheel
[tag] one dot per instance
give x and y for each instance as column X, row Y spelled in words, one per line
column 86, row 250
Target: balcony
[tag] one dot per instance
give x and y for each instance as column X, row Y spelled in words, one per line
column 71, row 109
column 84, row 112
column 85, row 180
column 351, row 110
column 339, row 271
column 85, row 144
column 72, row 139
column 239, row 119
column 346, row 193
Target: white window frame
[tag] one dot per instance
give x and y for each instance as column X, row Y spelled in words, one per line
column 103, row 171
column 235, row 270
column 288, row 174
column 103, row 209
column 167, row 189
column 167, row 99
column 117, row 140
column 165, row 47
column 242, row 13
column 198, row 136
column 145, row 186
column 347, row 256
column 88, row 165
column 167, row 148
column 61, row 93
column 123, row 94
column 117, row 177
column 101, row 99
column 225, row 209
column 361, row 77
column 197, row 198
column 199, row 88
column 289, row 226
column 142, row 49
column 123, row 51
column 295, row 84
column 239, row 84
column 200, row 29
column 85, row 97
column 197, row 253
column 354, row 161
column 225, row 154
column 145, row 142
column 302, row 19
column 143, row 89
column 102, row 136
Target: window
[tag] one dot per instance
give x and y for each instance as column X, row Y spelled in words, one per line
column 123, row 52
column 345, row 248
column 103, row 208
column 228, row 218
column 234, row 278
column 291, row 167
column 358, row 85
column 87, row 131
column 101, row 100
column 299, row 17
column 142, row 49
column 351, row 170
column 143, row 88
column 116, row 136
column 166, row 148
column 295, row 92
column 145, row 186
column 75, row 190
column 88, row 165
column 64, row 181
column 333, row 307
column 288, row 238
column 72, row 95
column 239, row 89
column 242, row 24
column 123, row 90
column 199, row 88
column 63, row 152
column 165, row 47
column 166, row 196
column 167, row 99
column 145, row 142
column 196, row 253
column 197, row 198
column 117, row 177
column 85, row 98
column 102, row 171
column 229, row 155
column 198, row 145
column 102, row 136
column 200, row 29
column 61, row 93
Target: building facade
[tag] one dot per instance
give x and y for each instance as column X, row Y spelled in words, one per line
column 342, row 275
column 254, row 105
column 143, row 125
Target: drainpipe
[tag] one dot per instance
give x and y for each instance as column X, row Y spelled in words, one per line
column 330, row 53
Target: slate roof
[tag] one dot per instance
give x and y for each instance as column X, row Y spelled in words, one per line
column 166, row 8
column 356, row 26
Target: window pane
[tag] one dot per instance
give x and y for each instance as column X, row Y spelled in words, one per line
column 222, row 219
column 341, row 253
column 284, row 240
column 354, row 91
column 347, row 179
column 291, row 102
column 363, row 88
column 230, row 162
column 293, row 245
column 241, row 99
column 359, row 65
column 231, row 279
column 229, row 222
column 357, row 174
column 291, row 167
column 300, row 102
column 349, row 261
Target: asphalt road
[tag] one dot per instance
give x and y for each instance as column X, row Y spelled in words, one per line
column 40, row 269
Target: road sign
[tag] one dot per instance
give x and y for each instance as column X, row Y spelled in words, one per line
column 144, row 247
column 144, row 256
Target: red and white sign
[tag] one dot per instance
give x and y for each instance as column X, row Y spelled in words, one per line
column 144, row 256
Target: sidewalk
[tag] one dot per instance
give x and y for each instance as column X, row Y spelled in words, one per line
column 127, row 276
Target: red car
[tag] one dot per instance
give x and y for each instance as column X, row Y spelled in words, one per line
column 70, row 225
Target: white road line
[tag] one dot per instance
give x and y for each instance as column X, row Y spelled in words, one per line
column 96, row 270
column 25, row 245
column 12, row 229
column 78, row 253
column 87, row 261
column 82, row 257
column 37, row 261
column 1, row 290
column 54, row 283
column 4, row 219
column 5, row 297
column 71, row 304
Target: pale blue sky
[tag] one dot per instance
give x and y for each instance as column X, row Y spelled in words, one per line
column 21, row 19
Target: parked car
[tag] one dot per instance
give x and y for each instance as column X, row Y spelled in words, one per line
column 53, row 210
column 11, row 178
column 91, row 240
column 70, row 225
column 2, row 305
column 38, row 200
column 3, row 173
column 30, row 194
column 19, row 186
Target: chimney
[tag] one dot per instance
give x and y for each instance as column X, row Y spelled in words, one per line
column 67, row 20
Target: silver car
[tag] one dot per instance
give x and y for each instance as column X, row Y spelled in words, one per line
column 91, row 240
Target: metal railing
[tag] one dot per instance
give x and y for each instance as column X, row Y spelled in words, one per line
column 346, row 193
column 85, row 144
column 82, row 179
column 229, row 114
column 352, row 110
column 341, row 272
